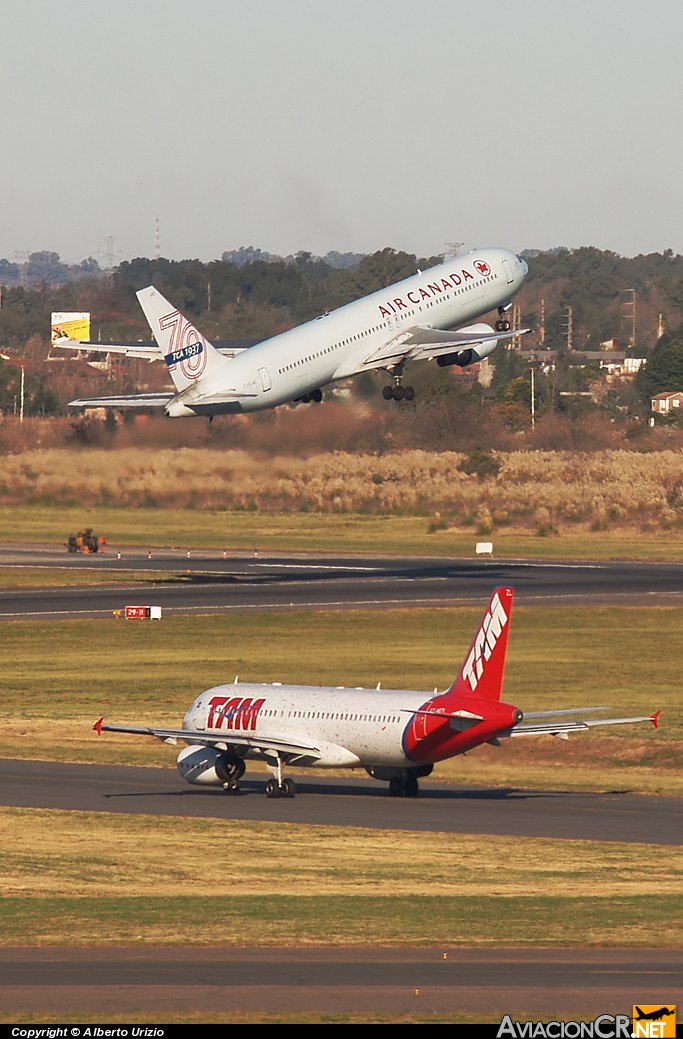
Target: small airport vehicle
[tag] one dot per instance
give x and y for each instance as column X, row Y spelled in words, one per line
column 85, row 541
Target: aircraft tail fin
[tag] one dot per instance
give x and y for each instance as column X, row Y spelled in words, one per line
column 188, row 355
column 481, row 674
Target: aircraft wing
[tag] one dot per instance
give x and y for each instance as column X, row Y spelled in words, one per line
column 224, row 739
column 420, row 343
column 563, row 728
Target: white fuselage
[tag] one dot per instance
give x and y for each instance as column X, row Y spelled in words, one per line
column 345, row 728
column 336, row 345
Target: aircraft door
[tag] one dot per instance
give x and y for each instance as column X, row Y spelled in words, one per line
column 265, row 379
column 508, row 272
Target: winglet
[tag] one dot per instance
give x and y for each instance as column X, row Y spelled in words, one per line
column 655, row 718
column 98, row 726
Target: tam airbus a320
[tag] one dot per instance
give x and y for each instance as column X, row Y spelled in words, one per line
column 396, row 735
column 429, row 316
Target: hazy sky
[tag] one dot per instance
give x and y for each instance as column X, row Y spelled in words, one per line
column 310, row 125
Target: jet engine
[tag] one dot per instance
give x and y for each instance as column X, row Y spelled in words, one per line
column 462, row 358
column 209, row 767
column 472, row 354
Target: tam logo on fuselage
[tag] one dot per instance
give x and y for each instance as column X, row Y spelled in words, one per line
column 236, row 712
column 484, row 642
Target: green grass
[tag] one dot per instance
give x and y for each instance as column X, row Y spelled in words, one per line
column 318, row 532
column 66, row 577
column 354, row 920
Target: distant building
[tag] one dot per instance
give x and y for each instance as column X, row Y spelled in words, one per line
column 666, row 403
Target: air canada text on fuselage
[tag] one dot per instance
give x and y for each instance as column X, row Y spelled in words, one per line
column 443, row 283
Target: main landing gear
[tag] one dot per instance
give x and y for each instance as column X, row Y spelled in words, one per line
column 277, row 785
column 398, row 391
column 315, row 396
column 230, row 771
column 502, row 324
column 404, row 786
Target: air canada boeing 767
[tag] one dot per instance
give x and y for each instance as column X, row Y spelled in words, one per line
column 394, row 734
column 430, row 316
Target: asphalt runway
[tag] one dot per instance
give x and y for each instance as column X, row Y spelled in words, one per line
column 206, row 582
column 551, row 983
column 363, row 802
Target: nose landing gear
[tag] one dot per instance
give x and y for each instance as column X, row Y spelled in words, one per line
column 502, row 324
column 286, row 788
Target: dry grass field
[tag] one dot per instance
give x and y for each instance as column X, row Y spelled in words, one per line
column 67, row 874
column 538, row 492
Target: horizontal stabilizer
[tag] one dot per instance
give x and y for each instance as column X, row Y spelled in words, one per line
column 562, row 728
column 467, row 715
column 145, row 351
column 135, row 400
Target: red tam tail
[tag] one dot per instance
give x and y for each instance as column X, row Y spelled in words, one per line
column 481, row 675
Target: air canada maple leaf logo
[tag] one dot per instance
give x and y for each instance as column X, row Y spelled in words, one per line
column 482, row 266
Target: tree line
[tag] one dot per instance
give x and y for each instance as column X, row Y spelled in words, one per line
column 249, row 293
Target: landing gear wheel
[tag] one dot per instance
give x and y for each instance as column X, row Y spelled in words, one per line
column 388, row 392
column 395, row 787
column 398, row 393
column 409, row 392
column 410, row 786
column 231, row 786
column 288, row 788
column 272, row 789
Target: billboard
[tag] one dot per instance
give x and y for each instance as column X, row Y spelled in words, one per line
column 70, row 326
